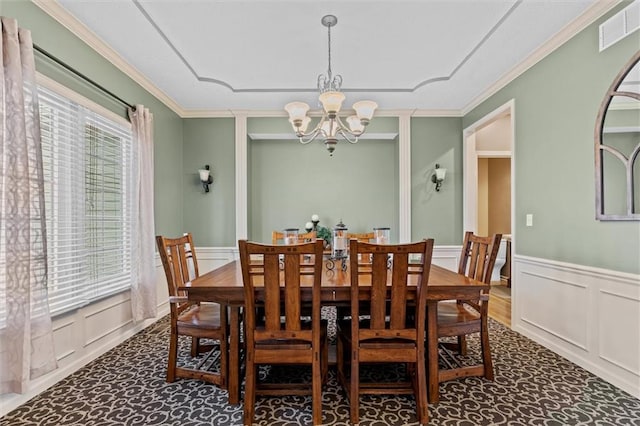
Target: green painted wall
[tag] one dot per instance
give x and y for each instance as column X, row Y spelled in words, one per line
column 288, row 181
column 556, row 105
column 210, row 216
column 434, row 214
column 58, row 41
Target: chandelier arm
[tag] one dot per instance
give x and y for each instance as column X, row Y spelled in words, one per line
column 305, row 138
column 346, row 135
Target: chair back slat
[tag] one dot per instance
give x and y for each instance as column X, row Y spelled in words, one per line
column 292, row 292
column 398, row 303
column 378, row 290
column 271, row 282
column 363, row 238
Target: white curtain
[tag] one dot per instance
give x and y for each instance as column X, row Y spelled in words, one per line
column 26, row 340
column 143, row 289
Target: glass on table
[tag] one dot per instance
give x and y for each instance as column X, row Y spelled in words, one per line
column 382, row 235
column 290, row 236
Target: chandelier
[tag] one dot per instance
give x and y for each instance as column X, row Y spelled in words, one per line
column 330, row 125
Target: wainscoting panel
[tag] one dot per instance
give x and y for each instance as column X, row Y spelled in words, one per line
column 446, row 256
column 588, row 315
column 210, row 258
column 64, row 336
column 106, row 317
column 556, row 306
column 616, row 311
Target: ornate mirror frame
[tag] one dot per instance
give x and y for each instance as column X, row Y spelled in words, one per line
column 632, row 211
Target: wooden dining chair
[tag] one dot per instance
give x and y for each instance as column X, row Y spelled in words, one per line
column 363, row 238
column 277, row 237
column 280, row 335
column 458, row 318
column 199, row 321
column 387, row 334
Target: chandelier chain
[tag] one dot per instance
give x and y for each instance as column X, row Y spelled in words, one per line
column 329, row 69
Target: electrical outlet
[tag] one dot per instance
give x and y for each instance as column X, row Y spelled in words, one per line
column 529, row 219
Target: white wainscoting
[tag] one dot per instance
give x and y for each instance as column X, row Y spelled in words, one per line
column 446, row 256
column 82, row 335
column 210, row 258
column 588, row 315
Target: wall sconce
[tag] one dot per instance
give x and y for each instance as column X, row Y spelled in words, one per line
column 438, row 177
column 205, row 178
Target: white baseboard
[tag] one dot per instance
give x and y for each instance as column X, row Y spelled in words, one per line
column 588, row 315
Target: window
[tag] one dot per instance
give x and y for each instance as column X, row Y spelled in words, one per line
column 88, row 170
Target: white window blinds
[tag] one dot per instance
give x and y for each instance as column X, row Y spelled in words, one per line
column 88, row 197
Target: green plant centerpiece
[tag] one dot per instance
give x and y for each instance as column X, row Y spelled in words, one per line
column 324, row 233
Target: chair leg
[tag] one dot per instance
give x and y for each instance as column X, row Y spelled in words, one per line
column 462, row 345
column 195, row 347
column 316, row 384
column 249, row 393
column 354, row 397
column 486, row 351
column 173, row 357
column 432, row 354
column 224, row 357
column 324, row 358
column 339, row 359
column 421, row 388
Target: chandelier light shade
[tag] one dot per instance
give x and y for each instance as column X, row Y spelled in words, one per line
column 330, row 126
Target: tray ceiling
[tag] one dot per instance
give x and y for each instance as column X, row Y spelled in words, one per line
column 261, row 54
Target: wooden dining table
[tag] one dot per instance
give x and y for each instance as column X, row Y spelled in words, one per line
column 224, row 285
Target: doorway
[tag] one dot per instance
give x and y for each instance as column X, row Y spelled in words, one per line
column 488, row 188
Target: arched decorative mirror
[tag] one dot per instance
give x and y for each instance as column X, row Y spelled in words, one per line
column 617, row 145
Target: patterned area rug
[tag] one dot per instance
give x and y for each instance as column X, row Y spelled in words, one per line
column 126, row 386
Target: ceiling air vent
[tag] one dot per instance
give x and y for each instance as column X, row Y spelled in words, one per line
column 620, row 25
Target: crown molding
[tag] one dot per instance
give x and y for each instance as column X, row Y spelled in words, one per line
column 207, row 113
column 67, row 20
column 384, row 136
column 593, row 12
column 437, row 113
column 212, row 113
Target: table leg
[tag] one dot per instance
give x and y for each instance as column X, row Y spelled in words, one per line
column 234, row 356
column 432, row 351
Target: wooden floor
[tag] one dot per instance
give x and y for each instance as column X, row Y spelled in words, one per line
column 500, row 304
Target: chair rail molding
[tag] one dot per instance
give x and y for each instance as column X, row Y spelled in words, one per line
column 591, row 316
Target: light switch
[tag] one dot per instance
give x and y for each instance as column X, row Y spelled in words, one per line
column 529, row 219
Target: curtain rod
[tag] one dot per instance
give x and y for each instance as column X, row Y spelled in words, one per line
column 82, row 76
